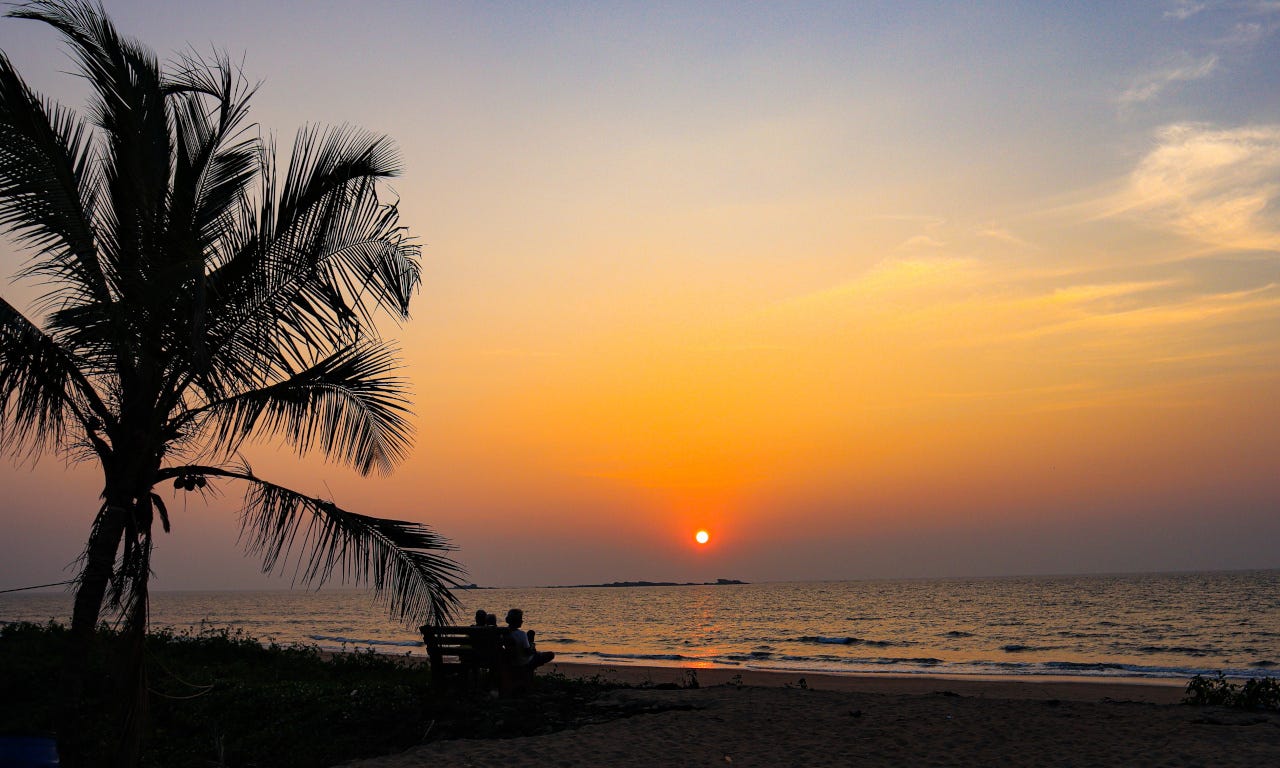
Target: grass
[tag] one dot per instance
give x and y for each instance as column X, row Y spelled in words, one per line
column 221, row 698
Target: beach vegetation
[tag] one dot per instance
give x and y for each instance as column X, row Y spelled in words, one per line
column 1253, row 694
column 221, row 697
column 200, row 293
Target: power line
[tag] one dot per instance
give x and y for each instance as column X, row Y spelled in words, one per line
column 37, row 586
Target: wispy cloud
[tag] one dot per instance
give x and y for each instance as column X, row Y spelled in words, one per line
column 928, row 239
column 514, row 353
column 1083, row 294
column 929, row 222
column 1003, row 235
column 891, row 279
column 1214, row 185
column 1168, row 276
column 1181, row 10
column 1092, row 312
column 1245, row 34
column 922, row 241
column 1153, row 84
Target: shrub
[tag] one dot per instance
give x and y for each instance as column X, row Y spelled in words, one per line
column 1256, row 693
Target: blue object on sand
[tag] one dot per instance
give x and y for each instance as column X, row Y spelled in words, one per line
column 28, row 752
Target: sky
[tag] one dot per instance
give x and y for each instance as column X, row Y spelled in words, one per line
column 866, row 290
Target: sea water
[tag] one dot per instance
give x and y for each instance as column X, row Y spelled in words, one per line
column 1132, row 625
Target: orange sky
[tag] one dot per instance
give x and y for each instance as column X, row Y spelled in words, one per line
column 887, row 291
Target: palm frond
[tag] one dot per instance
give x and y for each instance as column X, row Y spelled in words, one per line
column 329, row 251
column 321, row 258
column 41, row 389
column 326, row 160
column 399, row 559
column 404, row 562
column 366, row 258
column 348, row 404
column 212, row 168
column 130, row 108
column 48, row 189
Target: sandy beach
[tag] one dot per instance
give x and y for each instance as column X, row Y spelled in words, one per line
column 769, row 719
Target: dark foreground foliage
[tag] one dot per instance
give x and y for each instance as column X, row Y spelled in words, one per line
column 1257, row 693
column 223, row 699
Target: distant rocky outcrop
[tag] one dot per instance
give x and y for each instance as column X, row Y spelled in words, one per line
column 716, row 583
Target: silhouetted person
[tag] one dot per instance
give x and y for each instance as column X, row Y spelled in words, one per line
column 491, row 620
column 529, row 655
column 481, row 618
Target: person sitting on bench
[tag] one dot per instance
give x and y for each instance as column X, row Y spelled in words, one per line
column 527, row 654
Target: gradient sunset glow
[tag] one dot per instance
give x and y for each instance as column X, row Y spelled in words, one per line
column 879, row 291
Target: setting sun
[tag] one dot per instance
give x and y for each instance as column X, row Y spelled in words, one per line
column 702, row 537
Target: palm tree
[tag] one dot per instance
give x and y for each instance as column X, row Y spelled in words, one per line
column 197, row 296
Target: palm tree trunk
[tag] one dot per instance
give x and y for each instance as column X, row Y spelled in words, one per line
column 99, row 564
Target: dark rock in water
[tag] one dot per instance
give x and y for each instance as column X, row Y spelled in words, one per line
column 716, row 583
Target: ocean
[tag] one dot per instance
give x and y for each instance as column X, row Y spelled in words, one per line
column 1132, row 625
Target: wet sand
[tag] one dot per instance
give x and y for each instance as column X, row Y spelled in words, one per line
column 751, row 718
column 1003, row 687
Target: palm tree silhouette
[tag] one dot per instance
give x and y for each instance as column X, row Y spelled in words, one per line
column 197, row 296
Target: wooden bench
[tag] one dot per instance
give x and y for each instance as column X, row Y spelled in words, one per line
column 475, row 657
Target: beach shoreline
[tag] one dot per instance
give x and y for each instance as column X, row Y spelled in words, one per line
column 1009, row 686
column 765, row 718
column 1061, row 687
